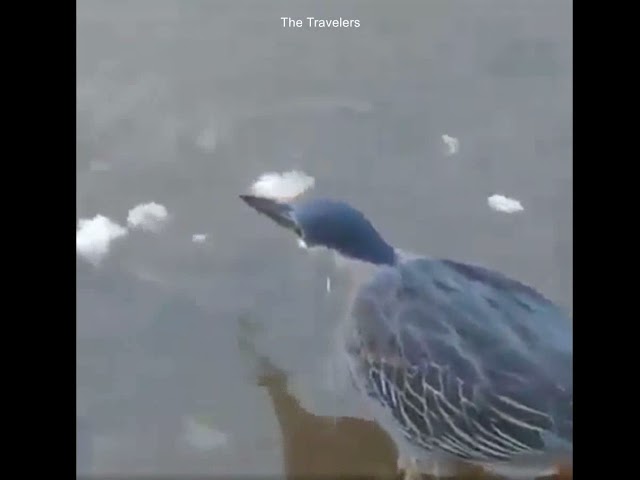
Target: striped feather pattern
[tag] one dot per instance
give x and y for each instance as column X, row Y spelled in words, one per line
column 465, row 360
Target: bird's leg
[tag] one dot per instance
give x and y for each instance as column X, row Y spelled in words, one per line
column 410, row 468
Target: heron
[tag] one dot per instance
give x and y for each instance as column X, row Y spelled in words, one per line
column 460, row 364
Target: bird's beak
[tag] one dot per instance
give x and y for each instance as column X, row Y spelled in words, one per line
column 281, row 213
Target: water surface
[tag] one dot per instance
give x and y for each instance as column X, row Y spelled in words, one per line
column 185, row 103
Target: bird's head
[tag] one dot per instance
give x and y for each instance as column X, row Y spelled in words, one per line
column 328, row 223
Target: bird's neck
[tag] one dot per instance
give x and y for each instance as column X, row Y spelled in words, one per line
column 377, row 253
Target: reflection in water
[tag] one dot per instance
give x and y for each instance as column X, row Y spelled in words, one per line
column 324, row 447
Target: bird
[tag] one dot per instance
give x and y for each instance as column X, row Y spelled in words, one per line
column 460, row 364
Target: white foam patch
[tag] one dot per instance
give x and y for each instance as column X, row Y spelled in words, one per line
column 94, row 237
column 148, row 216
column 282, row 186
column 328, row 284
column 199, row 237
column 200, row 436
column 452, row 144
column 504, row 204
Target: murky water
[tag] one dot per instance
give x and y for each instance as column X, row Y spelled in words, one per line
column 186, row 103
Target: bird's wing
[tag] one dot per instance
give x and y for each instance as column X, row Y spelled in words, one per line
column 481, row 364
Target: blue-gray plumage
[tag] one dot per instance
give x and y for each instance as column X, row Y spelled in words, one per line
column 458, row 362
